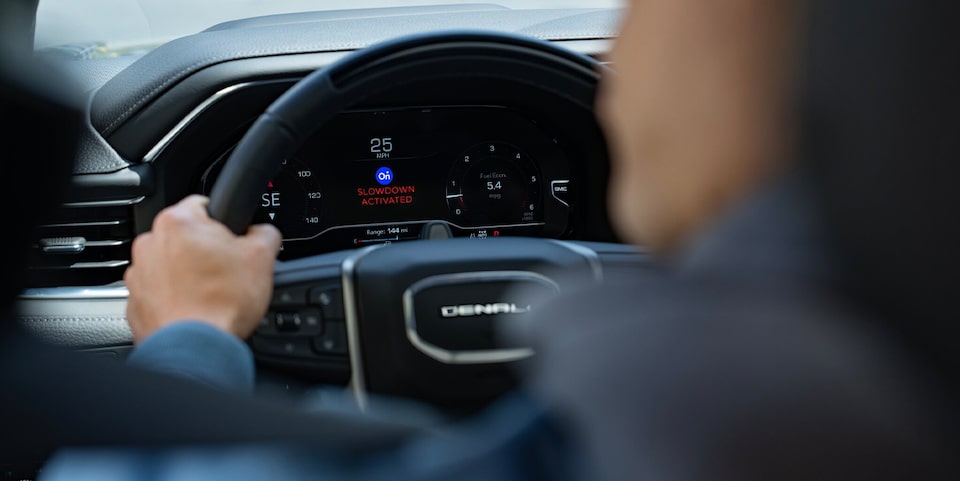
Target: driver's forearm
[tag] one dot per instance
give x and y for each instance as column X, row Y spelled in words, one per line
column 200, row 352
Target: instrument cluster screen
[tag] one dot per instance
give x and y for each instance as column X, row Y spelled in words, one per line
column 379, row 176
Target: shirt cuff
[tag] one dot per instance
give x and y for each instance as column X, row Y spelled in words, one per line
column 200, row 352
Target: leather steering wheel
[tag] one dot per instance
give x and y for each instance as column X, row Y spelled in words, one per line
column 419, row 318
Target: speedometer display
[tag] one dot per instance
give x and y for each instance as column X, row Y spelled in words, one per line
column 380, row 175
column 292, row 200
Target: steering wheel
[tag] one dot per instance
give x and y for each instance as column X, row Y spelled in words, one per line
column 417, row 319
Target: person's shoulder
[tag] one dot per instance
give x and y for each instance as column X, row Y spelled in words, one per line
column 699, row 370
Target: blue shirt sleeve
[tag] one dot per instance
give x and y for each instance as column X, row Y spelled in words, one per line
column 200, row 352
column 516, row 439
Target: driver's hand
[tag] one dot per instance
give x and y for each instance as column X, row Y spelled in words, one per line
column 191, row 267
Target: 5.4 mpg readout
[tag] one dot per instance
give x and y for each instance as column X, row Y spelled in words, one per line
column 493, row 183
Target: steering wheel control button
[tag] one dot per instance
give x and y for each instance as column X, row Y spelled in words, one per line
column 266, row 325
column 330, row 299
column 288, row 321
column 289, row 296
column 560, row 189
column 286, row 346
column 334, row 341
column 311, row 321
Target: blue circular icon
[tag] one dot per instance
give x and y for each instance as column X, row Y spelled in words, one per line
column 384, row 175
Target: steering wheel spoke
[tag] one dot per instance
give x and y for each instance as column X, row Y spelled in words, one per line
column 424, row 319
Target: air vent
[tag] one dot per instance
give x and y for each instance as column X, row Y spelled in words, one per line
column 83, row 244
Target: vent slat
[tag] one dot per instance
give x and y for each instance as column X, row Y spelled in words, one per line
column 84, row 224
column 83, row 244
column 107, row 243
column 88, row 265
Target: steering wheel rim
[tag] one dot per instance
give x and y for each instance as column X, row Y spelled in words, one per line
column 313, row 101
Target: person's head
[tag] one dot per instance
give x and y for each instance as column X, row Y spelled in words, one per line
column 697, row 113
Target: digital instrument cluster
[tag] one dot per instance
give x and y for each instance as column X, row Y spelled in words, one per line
column 379, row 176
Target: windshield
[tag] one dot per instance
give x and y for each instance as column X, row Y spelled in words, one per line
column 126, row 24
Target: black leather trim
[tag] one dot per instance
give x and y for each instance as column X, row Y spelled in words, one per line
column 156, row 72
column 91, row 73
column 95, row 155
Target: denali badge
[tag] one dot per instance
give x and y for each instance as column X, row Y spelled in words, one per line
column 467, row 310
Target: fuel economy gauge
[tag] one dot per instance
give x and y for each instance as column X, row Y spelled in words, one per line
column 492, row 184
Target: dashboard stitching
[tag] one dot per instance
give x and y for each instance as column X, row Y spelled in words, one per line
column 206, row 62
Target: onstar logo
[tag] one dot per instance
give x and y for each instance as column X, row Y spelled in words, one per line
column 384, row 176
